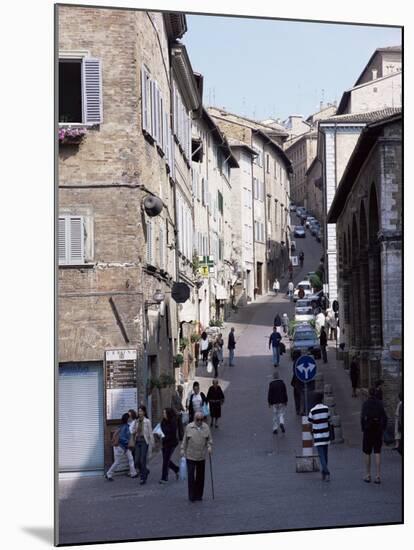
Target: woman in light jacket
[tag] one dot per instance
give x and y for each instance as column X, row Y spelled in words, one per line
column 144, row 441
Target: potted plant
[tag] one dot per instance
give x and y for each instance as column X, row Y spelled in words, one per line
column 183, row 343
column 178, row 360
column 71, row 136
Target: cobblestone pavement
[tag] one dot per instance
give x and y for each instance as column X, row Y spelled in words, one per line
column 256, row 485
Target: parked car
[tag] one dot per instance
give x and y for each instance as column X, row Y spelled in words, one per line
column 307, row 288
column 299, row 231
column 314, row 229
column 309, row 221
column 304, row 341
column 304, row 313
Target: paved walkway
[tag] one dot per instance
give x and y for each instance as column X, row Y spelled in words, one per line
column 256, row 485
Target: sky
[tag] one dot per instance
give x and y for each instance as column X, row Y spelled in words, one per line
column 272, row 69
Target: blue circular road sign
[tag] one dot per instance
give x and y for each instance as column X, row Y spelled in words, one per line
column 305, row 368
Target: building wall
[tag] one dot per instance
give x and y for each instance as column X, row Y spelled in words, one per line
column 377, row 95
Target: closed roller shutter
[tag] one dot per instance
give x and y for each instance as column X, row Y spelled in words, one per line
column 81, row 432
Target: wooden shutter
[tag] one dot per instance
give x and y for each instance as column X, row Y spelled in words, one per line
column 145, row 101
column 76, row 249
column 92, row 90
column 62, row 241
column 153, row 91
column 162, row 247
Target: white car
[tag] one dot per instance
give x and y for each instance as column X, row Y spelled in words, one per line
column 304, row 313
column 307, row 289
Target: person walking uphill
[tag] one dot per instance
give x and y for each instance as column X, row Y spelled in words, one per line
column 169, row 443
column 354, row 374
column 195, row 401
column 373, row 423
column 277, row 399
column 204, row 347
column 320, row 419
column 274, row 341
column 231, row 345
column 178, row 408
column 323, row 341
column 120, row 443
column 196, row 443
column 278, row 323
column 215, row 398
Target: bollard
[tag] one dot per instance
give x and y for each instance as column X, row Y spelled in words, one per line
column 308, row 462
column 336, row 423
column 328, row 389
column 319, row 386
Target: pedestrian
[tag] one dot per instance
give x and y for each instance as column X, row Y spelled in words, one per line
column 290, row 290
column 277, row 321
column 297, row 390
column 285, row 323
column 354, row 374
column 169, row 443
column 220, row 344
column 231, row 345
column 320, row 419
column 121, row 449
column 277, row 399
column 178, row 408
column 319, row 322
column 274, row 342
column 196, row 442
column 373, row 424
column 195, row 401
column 323, row 341
column 204, row 345
column 215, row 398
column 215, row 360
column 333, row 327
column 276, row 286
column 398, row 426
column 301, row 258
column 378, row 389
column 131, row 423
column 144, row 441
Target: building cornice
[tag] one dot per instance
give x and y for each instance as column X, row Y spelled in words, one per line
column 185, row 78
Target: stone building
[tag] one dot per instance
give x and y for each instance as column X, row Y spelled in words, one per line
column 212, row 165
column 301, row 153
column 271, row 193
column 118, row 159
column 367, row 211
column 314, row 201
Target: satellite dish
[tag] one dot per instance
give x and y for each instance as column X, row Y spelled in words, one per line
column 152, row 205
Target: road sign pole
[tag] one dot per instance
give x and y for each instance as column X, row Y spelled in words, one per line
column 306, row 399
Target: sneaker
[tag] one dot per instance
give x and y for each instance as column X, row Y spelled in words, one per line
column 143, row 482
column 133, row 477
column 163, row 481
column 108, row 478
column 275, row 431
column 282, row 427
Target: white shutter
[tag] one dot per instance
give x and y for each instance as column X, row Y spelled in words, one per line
column 62, row 236
column 162, row 124
column 149, row 242
column 162, row 247
column 153, row 93
column 92, row 90
column 81, row 444
column 76, row 250
column 145, row 101
column 172, row 155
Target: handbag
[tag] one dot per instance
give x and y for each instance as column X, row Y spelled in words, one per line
column 158, row 431
column 209, row 366
column 182, row 474
column 206, row 409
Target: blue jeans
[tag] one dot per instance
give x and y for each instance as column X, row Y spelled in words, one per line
column 276, row 355
column 141, row 451
column 231, row 356
column 323, row 457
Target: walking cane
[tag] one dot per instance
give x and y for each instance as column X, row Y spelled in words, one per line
column 211, row 475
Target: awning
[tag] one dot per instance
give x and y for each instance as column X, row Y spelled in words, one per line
column 221, row 292
column 187, row 312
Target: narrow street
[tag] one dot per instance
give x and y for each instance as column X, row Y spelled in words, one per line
column 256, row 485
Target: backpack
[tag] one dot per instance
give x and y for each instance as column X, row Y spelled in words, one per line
column 115, row 438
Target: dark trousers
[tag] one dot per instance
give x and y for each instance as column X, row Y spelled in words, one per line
column 167, row 462
column 141, row 451
column 324, row 356
column 296, row 395
column 180, row 427
column 195, row 474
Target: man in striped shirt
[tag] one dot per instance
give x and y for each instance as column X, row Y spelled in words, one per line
column 319, row 418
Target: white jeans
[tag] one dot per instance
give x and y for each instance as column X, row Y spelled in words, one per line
column 119, row 452
column 279, row 411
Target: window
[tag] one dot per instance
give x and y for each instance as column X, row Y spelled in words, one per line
column 80, row 91
column 220, row 202
column 255, row 188
column 162, row 247
column 182, row 124
column 268, row 164
column 71, row 240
